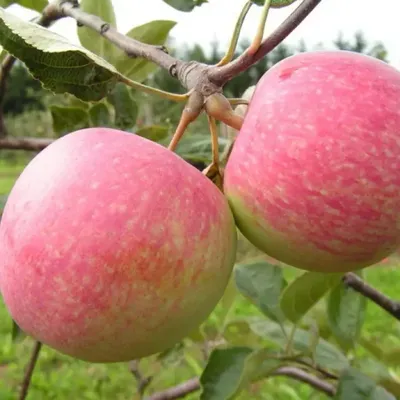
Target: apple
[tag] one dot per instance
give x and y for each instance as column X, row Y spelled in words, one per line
column 314, row 176
column 112, row 247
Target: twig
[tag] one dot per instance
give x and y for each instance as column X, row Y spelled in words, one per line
column 205, row 79
column 317, row 368
column 131, row 47
column 192, row 385
column 302, row 376
column 25, row 143
column 357, row 284
column 221, row 75
column 142, row 381
column 29, row 370
column 177, row 392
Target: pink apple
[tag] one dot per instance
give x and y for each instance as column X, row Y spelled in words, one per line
column 112, row 247
column 314, row 177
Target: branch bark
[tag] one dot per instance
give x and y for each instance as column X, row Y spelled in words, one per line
column 192, row 385
column 360, row 286
column 205, row 79
column 177, row 392
column 132, row 47
column 221, row 75
column 25, row 143
column 311, row 380
column 142, row 381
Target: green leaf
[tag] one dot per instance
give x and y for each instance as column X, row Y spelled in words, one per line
column 59, row 65
column 185, row 5
column 391, row 385
column 68, row 119
column 3, row 200
column 6, row 3
column 355, row 385
column 275, row 3
column 3, row 54
column 89, row 38
column 17, row 334
column 223, row 371
column 391, row 358
column 324, row 353
column 37, row 5
column 262, row 283
column 197, row 147
column 155, row 33
column 126, row 109
column 304, row 292
column 227, row 303
column 346, row 313
column 76, row 103
column 231, row 370
column 153, row 132
column 237, row 332
column 100, row 115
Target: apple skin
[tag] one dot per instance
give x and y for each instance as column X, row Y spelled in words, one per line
column 314, row 176
column 112, row 247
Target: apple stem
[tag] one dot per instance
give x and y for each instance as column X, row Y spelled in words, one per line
column 235, row 36
column 219, row 107
column 255, row 45
column 214, row 139
column 192, row 110
column 150, row 90
column 236, row 102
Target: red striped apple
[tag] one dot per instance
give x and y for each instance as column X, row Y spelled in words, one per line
column 112, row 247
column 314, row 176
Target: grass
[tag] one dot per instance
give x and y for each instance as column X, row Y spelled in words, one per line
column 59, row 377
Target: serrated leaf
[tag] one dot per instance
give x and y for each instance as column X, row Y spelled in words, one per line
column 100, row 115
column 231, row 370
column 89, row 38
column 304, row 292
column 17, row 334
column 185, row 5
column 262, row 283
column 275, row 3
column 68, row 119
column 37, row 5
column 346, row 310
column 155, row 33
column 355, row 385
column 126, row 109
column 59, row 65
column 324, row 353
column 153, row 132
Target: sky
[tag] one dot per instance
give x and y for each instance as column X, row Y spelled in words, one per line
column 216, row 20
